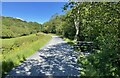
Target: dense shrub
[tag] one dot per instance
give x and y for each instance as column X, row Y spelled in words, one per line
column 100, row 23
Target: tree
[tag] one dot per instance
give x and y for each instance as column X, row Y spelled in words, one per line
column 74, row 14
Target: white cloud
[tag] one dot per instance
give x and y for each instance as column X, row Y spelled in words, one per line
column 19, row 18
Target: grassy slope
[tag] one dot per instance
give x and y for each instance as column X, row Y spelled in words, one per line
column 17, row 49
column 13, row 27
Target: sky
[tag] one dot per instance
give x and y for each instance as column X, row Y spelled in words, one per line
column 32, row 11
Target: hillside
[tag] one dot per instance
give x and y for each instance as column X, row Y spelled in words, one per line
column 14, row 27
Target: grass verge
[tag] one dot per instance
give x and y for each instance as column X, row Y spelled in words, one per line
column 69, row 41
column 15, row 50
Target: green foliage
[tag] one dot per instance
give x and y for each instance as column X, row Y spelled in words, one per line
column 100, row 24
column 13, row 27
column 59, row 25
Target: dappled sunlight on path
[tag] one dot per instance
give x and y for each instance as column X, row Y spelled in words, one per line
column 57, row 59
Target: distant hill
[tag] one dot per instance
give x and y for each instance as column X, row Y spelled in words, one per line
column 14, row 27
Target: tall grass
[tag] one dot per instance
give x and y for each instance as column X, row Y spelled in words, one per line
column 15, row 50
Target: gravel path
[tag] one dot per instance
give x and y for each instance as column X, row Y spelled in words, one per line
column 56, row 58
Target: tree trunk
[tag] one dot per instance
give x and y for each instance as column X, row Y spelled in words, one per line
column 77, row 30
column 77, row 23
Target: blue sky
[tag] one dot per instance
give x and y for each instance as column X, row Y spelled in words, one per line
column 32, row 11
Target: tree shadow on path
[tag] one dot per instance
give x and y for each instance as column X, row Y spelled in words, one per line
column 56, row 60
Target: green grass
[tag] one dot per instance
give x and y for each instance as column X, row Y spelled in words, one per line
column 69, row 41
column 15, row 50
